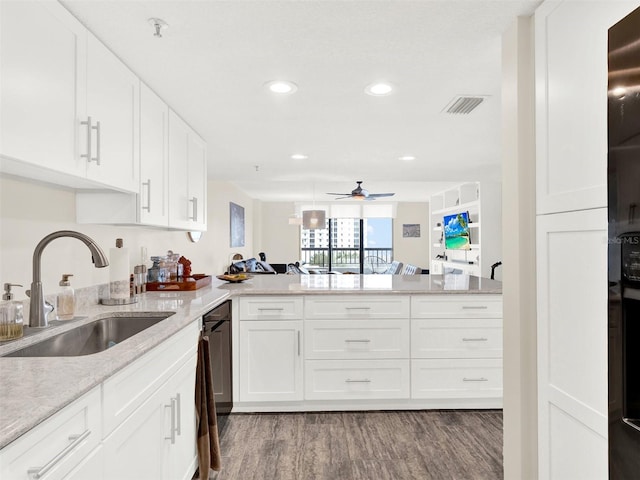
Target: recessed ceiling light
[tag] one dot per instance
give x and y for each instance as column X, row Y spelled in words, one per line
column 407, row 158
column 299, row 156
column 379, row 89
column 281, row 86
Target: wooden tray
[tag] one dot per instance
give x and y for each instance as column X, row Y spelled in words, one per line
column 185, row 283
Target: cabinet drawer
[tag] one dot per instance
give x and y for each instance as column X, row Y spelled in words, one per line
column 362, row 306
column 456, row 306
column 345, row 339
column 456, row 378
column 456, row 338
column 129, row 388
column 356, row 379
column 271, row 308
column 57, row 445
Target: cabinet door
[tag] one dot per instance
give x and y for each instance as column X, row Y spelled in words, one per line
column 113, row 105
column 179, row 205
column 571, row 103
column 154, row 136
column 572, row 344
column 91, row 467
column 270, row 360
column 180, row 455
column 134, row 450
column 197, row 181
column 43, row 76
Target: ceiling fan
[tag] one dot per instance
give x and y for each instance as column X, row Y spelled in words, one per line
column 360, row 193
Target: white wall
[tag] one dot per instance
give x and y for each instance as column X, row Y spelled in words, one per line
column 29, row 211
column 518, row 252
column 278, row 240
column 412, row 250
column 217, row 238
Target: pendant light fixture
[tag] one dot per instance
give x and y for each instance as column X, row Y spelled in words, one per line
column 313, row 219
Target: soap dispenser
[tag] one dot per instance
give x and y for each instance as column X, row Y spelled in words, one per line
column 66, row 301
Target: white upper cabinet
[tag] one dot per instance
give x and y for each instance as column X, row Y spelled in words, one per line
column 42, row 88
column 111, row 121
column 188, row 173
column 154, row 156
column 69, row 106
column 571, row 102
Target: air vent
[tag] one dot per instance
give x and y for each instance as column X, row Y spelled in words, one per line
column 463, row 104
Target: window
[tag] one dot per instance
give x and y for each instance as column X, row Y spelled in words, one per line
column 349, row 245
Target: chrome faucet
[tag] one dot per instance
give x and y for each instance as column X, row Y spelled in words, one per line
column 38, row 308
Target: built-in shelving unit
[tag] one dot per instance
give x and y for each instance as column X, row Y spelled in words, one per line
column 481, row 202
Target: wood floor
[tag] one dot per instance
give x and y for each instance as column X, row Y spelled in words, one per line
column 420, row 445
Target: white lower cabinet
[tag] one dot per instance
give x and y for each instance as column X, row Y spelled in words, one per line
column 381, row 352
column 58, row 445
column 140, row 437
column 351, row 339
column 356, row 379
column 456, row 378
column 270, row 360
column 162, row 429
column 151, row 406
column 139, row 424
column 91, row 467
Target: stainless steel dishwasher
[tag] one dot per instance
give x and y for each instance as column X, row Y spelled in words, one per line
column 217, row 326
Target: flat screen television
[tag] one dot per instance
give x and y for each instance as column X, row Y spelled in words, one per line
column 456, row 231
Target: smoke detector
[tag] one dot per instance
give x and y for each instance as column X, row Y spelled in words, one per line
column 158, row 25
column 464, row 104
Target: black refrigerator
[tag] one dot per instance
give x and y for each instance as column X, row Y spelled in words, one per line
column 623, row 174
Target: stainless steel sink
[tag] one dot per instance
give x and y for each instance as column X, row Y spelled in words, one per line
column 91, row 338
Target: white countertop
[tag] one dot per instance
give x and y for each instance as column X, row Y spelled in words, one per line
column 33, row 389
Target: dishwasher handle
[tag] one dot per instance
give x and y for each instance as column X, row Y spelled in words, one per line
column 209, row 327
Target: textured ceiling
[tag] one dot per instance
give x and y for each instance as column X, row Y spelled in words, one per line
column 214, row 58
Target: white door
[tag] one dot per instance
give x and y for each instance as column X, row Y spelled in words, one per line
column 572, row 345
column 180, row 455
column 113, row 105
column 270, row 360
column 571, row 102
column 154, row 136
column 42, row 88
column 179, row 205
column 198, row 181
column 134, row 450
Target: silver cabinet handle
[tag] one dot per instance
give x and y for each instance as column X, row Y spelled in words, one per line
column 38, row 472
column 89, row 128
column 178, row 415
column 148, row 185
column 299, row 343
column 269, row 309
column 479, row 339
column 365, row 380
column 474, row 307
column 481, row 379
column 357, row 308
column 358, row 341
column 97, row 157
column 172, row 406
column 194, row 200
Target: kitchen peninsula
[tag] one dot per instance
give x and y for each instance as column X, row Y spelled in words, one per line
column 308, row 342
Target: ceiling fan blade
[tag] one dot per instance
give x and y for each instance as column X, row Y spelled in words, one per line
column 342, row 198
column 330, row 193
column 378, row 195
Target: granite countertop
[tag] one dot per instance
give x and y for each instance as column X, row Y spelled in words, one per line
column 364, row 284
column 33, row 389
